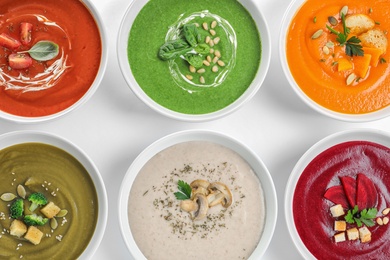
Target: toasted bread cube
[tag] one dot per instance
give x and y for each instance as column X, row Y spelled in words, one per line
column 50, row 210
column 365, row 234
column 337, row 210
column 340, row 225
column 359, row 23
column 353, row 233
column 374, row 38
column 18, row 228
column 340, row 237
column 34, row 235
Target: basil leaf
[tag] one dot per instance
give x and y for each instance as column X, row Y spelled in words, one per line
column 191, row 34
column 202, row 48
column 44, row 51
column 173, row 49
column 194, row 60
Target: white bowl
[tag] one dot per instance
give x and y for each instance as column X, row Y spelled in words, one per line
column 20, row 137
column 103, row 63
column 288, row 16
column 200, row 135
column 123, row 36
column 375, row 136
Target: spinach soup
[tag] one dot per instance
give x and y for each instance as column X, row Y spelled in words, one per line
column 194, row 57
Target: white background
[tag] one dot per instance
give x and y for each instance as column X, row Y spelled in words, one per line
column 113, row 127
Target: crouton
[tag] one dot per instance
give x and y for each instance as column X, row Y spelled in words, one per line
column 359, row 23
column 353, row 233
column 18, row 228
column 337, row 210
column 340, row 225
column 340, row 237
column 34, row 235
column 50, row 210
column 365, row 235
column 374, row 39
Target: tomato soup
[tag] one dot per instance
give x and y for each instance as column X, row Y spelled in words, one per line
column 340, row 67
column 30, row 86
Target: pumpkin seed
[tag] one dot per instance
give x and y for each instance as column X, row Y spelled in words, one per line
column 29, row 181
column 8, row 196
column 317, row 34
column 21, row 191
column 53, row 223
column 329, row 44
column 333, row 21
column 386, row 211
column 344, row 10
column 62, row 213
column 325, row 49
column 351, row 78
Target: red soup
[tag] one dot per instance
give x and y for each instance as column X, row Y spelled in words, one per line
column 50, row 54
column 353, row 180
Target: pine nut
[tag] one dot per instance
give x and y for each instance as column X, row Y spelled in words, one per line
column 207, row 39
column 211, row 43
column 215, row 68
column 212, row 32
column 211, row 50
column 205, row 26
column 189, row 77
column 214, row 24
column 216, row 40
column 386, row 211
column 217, row 53
column 379, row 221
column 385, row 220
column 206, row 63
column 192, row 69
column 216, row 58
column 202, row 80
column 221, row 63
column 201, row 71
column 208, row 58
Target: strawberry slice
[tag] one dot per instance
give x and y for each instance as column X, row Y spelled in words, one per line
column 336, row 195
column 366, row 194
column 9, row 42
column 349, row 186
column 25, row 33
column 19, row 61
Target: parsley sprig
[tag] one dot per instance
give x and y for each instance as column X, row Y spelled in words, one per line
column 352, row 45
column 365, row 216
column 184, row 192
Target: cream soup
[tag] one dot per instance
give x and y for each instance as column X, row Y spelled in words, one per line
column 162, row 230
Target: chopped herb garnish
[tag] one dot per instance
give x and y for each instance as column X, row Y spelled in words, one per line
column 352, row 45
column 365, row 216
column 377, row 23
column 315, row 19
column 184, row 192
column 382, row 60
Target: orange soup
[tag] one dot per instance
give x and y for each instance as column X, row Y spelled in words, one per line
column 338, row 54
column 50, row 53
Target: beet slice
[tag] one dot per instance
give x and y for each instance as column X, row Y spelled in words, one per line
column 349, row 186
column 366, row 194
column 336, row 195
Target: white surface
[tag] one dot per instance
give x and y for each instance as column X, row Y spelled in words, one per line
column 113, row 127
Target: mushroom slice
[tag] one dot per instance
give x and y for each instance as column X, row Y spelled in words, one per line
column 215, row 198
column 188, row 205
column 228, row 197
column 203, row 207
column 199, row 186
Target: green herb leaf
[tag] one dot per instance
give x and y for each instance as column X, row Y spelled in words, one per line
column 173, row 49
column 369, row 213
column 191, row 34
column 185, row 191
column 43, row 51
column 194, row 59
column 365, row 217
column 202, row 48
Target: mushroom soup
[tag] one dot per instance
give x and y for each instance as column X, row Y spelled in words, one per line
column 227, row 220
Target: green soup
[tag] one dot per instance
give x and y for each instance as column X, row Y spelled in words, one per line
column 194, row 92
column 63, row 181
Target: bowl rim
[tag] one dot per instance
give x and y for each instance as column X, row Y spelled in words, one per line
column 290, row 12
column 26, row 136
column 92, row 89
column 257, row 82
column 365, row 134
column 244, row 151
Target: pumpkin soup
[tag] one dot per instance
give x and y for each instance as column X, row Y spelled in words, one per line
column 49, row 57
column 338, row 54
